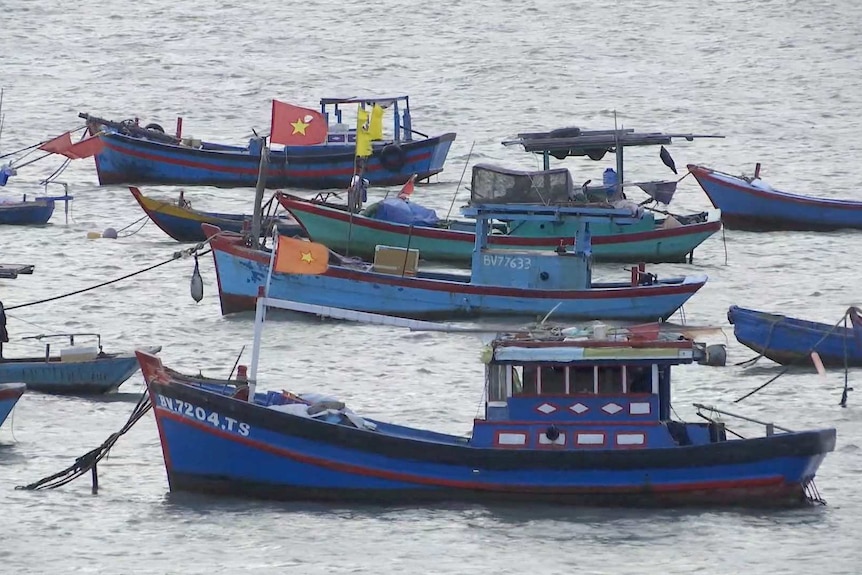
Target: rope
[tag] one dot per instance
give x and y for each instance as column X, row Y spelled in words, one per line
column 88, row 461
column 176, row 256
column 146, row 221
column 795, row 361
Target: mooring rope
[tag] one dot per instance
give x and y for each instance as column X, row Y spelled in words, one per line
column 88, row 461
column 176, row 256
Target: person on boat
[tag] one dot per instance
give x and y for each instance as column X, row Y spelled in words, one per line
column 357, row 192
column 183, row 202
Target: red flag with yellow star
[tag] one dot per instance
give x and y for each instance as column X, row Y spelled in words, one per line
column 293, row 256
column 296, row 126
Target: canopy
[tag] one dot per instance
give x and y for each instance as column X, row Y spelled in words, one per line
column 496, row 185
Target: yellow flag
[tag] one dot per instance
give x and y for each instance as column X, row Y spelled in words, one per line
column 376, row 128
column 363, row 137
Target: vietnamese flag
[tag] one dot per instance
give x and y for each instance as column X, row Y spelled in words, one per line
column 58, row 145
column 84, row 148
column 296, row 126
column 293, row 256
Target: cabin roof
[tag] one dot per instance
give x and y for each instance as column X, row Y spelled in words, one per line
column 582, row 350
column 11, row 271
column 536, row 212
column 360, row 100
column 594, row 144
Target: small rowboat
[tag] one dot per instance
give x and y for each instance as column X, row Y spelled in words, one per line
column 752, row 204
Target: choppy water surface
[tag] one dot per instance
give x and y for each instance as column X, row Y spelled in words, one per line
column 780, row 79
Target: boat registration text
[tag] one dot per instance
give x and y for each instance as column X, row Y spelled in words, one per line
column 186, row 409
column 513, row 262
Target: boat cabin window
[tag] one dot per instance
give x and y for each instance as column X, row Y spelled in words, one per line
column 496, row 382
column 571, row 380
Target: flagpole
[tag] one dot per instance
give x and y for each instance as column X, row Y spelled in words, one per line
column 260, row 318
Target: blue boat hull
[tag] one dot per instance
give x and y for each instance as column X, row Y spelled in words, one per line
column 242, row 271
column 10, row 393
column 748, row 207
column 98, row 376
column 137, row 161
column 32, row 213
column 787, row 340
column 217, row 444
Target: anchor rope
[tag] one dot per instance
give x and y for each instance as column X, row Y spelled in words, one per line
column 88, row 461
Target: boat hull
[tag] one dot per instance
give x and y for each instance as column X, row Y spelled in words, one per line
column 790, row 341
column 359, row 235
column 748, row 207
column 10, row 393
column 184, row 225
column 131, row 160
column 33, row 213
column 216, row 444
column 93, row 377
column 242, row 271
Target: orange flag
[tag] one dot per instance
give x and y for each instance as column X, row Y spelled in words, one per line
column 58, row 145
column 293, row 256
column 405, row 192
column 296, row 126
column 85, row 148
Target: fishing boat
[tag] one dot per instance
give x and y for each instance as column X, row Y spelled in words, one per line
column 568, row 419
column 12, row 271
column 10, row 393
column 390, row 222
column 751, row 204
column 791, row 341
column 33, row 212
column 179, row 220
column 136, row 155
column 500, row 283
column 74, row 370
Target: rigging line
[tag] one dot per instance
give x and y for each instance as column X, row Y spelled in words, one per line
column 464, row 171
column 36, row 145
column 793, row 363
column 176, row 256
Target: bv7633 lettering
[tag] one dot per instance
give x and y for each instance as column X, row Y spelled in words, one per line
column 222, row 422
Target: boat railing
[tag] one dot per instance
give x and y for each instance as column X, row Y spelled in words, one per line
column 71, row 337
column 770, row 427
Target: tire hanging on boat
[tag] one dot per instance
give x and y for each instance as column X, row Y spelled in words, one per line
column 392, row 157
column 155, row 127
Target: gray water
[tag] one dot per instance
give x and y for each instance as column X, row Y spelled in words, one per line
column 779, row 78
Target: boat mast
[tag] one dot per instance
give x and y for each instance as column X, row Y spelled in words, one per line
column 258, row 194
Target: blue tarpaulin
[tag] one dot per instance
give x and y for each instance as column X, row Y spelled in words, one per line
column 398, row 211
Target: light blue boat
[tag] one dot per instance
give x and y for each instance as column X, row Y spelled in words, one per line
column 76, row 370
column 501, row 283
column 10, row 393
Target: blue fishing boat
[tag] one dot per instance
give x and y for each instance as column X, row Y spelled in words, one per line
column 500, row 283
column 788, row 340
column 183, row 223
column 752, row 204
column 33, row 212
column 74, row 370
column 10, row 393
column 135, row 155
column 567, row 419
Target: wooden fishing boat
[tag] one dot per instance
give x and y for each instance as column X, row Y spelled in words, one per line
column 788, row 340
column 567, row 420
column 75, row 370
column 501, row 282
column 652, row 238
column 134, row 155
column 752, row 204
column 34, row 212
column 183, row 223
column 10, row 393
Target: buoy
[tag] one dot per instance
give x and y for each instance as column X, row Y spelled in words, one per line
column 110, row 233
column 197, row 283
column 93, row 235
column 714, row 355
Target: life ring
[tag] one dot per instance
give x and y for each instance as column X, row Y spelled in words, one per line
column 392, row 157
column 154, row 127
